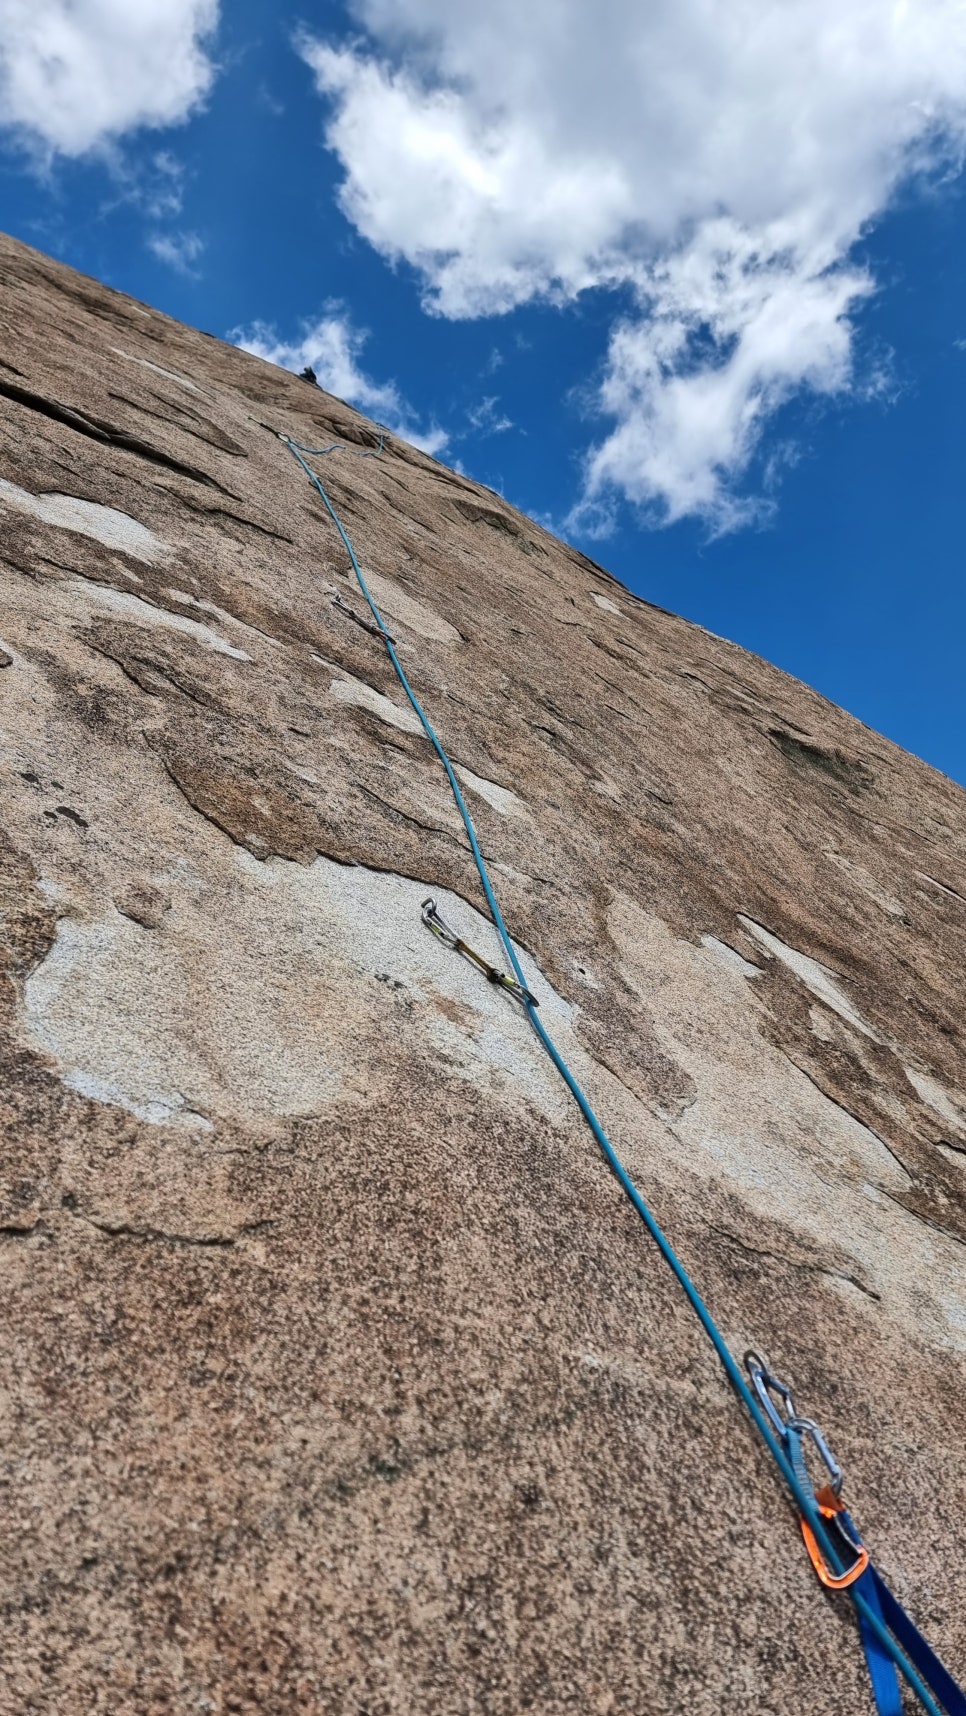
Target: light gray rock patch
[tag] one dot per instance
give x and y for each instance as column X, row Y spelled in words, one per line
column 222, row 615
column 603, row 602
column 79, row 1008
column 144, row 363
column 816, row 977
column 937, row 1097
column 729, row 957
column 270, row 988
column 500, row 798
column 418, row 616
column 124, row 606
column 87, row 518
column 758, row 1124
column 165, row 1108
column 363, row 696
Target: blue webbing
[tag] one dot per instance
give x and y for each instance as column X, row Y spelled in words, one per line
column 887, row 1609
column 804, row 1500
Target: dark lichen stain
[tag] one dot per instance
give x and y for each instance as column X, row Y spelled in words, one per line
column 849, row 771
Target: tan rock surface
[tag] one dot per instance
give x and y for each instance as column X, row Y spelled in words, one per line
column 337, row 1375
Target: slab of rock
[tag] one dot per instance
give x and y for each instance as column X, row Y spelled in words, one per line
column 337, row 1373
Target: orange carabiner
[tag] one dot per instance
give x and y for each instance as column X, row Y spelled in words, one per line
column 828, row 1506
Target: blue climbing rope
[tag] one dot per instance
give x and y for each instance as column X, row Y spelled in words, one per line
column 869, row 1610
column 340, row 447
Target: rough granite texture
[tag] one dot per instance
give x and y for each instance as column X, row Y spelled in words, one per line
column 336, row 1374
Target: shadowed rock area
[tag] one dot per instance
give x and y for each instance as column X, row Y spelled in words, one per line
column 337, row 1374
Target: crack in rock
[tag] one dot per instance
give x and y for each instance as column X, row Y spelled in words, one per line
column 163, row 1236
column 98, row 430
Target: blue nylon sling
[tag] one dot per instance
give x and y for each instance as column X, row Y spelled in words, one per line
column 889, row 1611
column 882, row 1671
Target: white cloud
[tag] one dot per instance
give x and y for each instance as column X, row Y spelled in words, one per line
column 486, row 419
column 714, row 164
column 161, row 187
column 687, row 428
column 331, row 347
column 76, row 74
column 180, row 250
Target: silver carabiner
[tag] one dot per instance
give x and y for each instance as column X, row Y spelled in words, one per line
column 765, row 1384
column 808, row 1427
column 434, row 920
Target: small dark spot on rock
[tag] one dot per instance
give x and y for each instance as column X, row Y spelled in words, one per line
column 385, row 1466
column 145, row 904
column 6, row 659
column 72, row 815
column 529, row 1494
column 28, row 775
column 69, row 1201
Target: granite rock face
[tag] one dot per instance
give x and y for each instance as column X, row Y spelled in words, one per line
column 337, row 1374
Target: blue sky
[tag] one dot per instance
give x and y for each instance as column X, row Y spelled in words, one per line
column 695, row 301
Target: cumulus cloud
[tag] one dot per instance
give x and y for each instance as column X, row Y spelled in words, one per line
column 713, row 165
column 331, row 346
column 76, row 74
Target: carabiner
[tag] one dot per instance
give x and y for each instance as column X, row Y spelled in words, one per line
column 808, row 1427
column 765, row 1385
column 831, row 1508
column 437, row 923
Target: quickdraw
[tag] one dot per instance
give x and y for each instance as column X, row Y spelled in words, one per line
column 441, row 929
column 367, row 625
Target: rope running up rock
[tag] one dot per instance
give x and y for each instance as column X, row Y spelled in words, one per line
column 869, row 1613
